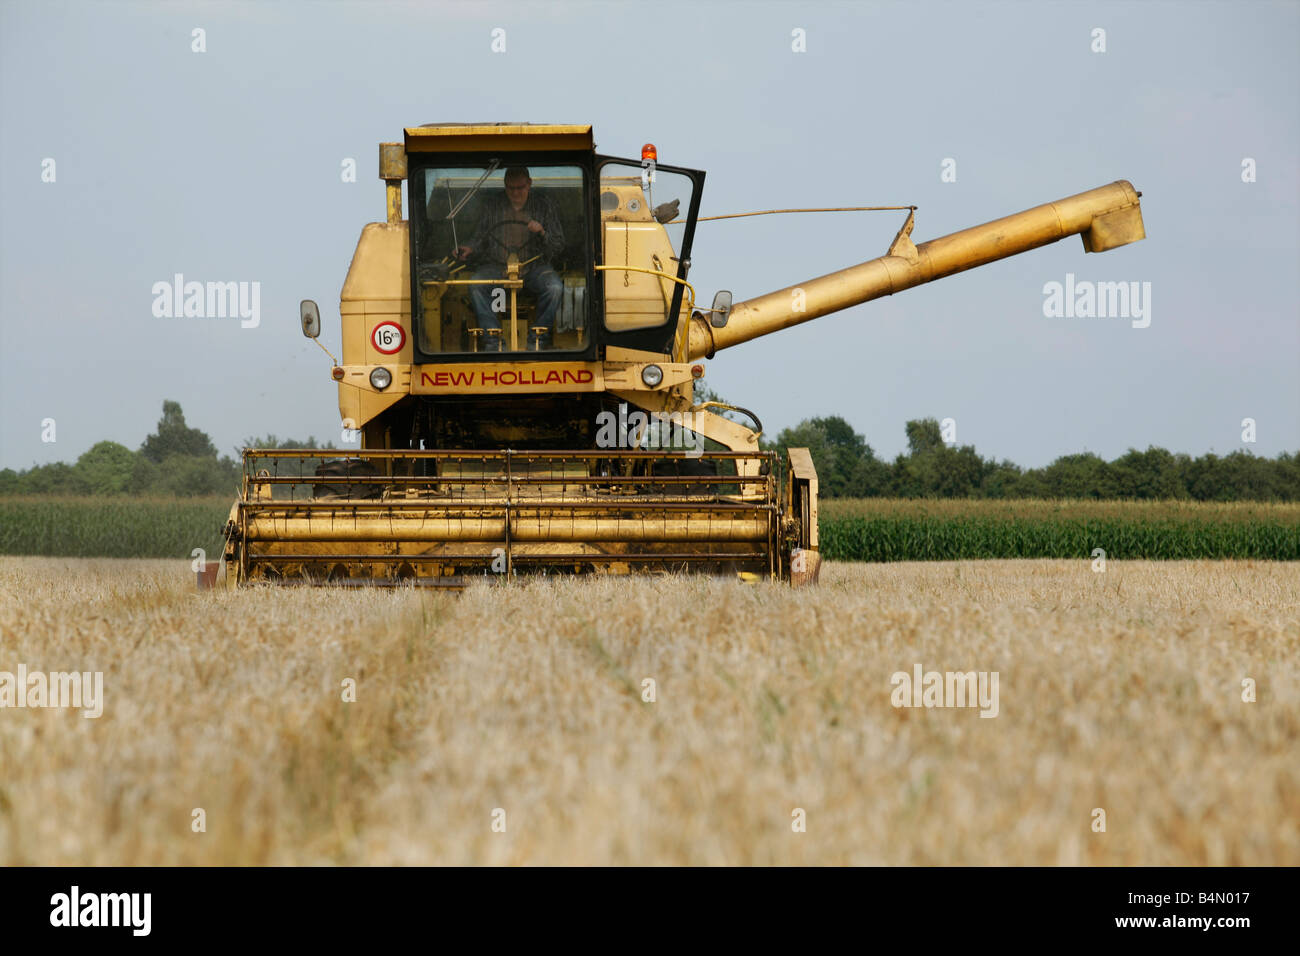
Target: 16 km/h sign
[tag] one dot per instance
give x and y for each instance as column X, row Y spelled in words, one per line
column 388, row 338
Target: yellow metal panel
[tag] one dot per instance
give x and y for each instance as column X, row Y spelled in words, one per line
column 377, row 289
column 627, row 375
column 616, row 353
column 636, row 300
column 1117, row 228
column 374, row 306
column 359, row 403
column 355, row 334
column 392, row 161
column 801, row 467
column 381, row 266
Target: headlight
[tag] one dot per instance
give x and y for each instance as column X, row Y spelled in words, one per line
column 652, row 375
column 381, row 378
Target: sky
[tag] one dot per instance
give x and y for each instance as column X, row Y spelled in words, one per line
column 227, row 165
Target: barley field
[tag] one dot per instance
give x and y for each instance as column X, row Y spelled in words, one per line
column 1120, row 691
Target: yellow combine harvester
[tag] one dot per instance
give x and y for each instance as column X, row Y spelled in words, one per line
column 519, row 357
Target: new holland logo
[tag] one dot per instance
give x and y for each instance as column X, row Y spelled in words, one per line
column 462, row 378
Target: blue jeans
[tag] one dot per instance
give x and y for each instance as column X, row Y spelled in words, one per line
column 541, row 281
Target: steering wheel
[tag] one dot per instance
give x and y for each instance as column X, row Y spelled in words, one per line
column 493, row 236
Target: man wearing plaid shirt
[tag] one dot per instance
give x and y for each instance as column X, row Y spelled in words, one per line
column 526, row 225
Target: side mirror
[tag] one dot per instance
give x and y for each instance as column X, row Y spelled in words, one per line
column 310, row 315
column 667, row 212
column 721, row 309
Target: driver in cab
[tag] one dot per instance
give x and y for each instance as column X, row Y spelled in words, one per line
column 526, row 225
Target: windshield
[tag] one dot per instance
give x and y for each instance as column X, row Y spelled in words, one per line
column 500, row 259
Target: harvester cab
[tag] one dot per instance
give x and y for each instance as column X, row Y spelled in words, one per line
column 519, row 354
column 505, row 249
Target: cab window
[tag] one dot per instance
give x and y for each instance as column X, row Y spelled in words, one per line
column 500, row 259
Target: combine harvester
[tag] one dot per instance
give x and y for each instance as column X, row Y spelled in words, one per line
column 519, row 359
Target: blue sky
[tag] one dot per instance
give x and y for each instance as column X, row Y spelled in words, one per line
column 225, row 165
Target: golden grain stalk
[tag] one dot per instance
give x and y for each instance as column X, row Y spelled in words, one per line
column 1119, row 690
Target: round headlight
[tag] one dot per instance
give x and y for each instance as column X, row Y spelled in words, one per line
column 381, row 378
column 652, row 375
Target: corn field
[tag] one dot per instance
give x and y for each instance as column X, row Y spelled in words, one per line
column 112, row 527
column 872, row 529
column 950, row 530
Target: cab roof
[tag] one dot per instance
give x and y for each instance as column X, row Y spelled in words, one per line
column 496, row 137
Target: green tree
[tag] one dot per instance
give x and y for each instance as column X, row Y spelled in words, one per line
column 871, row 477
column 933, row 470
column 174, row 437
column 846, row 465
column 144, row 477
column 56, row 478
column 1241, row 476
column 188, row 476
column 923, row 435
column 939, row 473
column 1154, row 473
column 1287, row 471
column 1006, row 480
column 1077, row 476
column 106, row 468
column 807, row 435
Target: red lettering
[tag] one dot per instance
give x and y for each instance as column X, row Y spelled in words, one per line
column 451, row 378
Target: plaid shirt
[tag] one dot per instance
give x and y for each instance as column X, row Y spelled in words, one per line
column 493, row 242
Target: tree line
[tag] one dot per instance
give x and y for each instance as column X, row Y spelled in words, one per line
column 179, row 460
column 176, row 460
column 847, row 467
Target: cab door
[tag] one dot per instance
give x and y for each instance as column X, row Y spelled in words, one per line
column 646, row 224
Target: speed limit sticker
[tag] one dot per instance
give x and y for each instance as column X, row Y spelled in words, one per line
column 388, row 338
